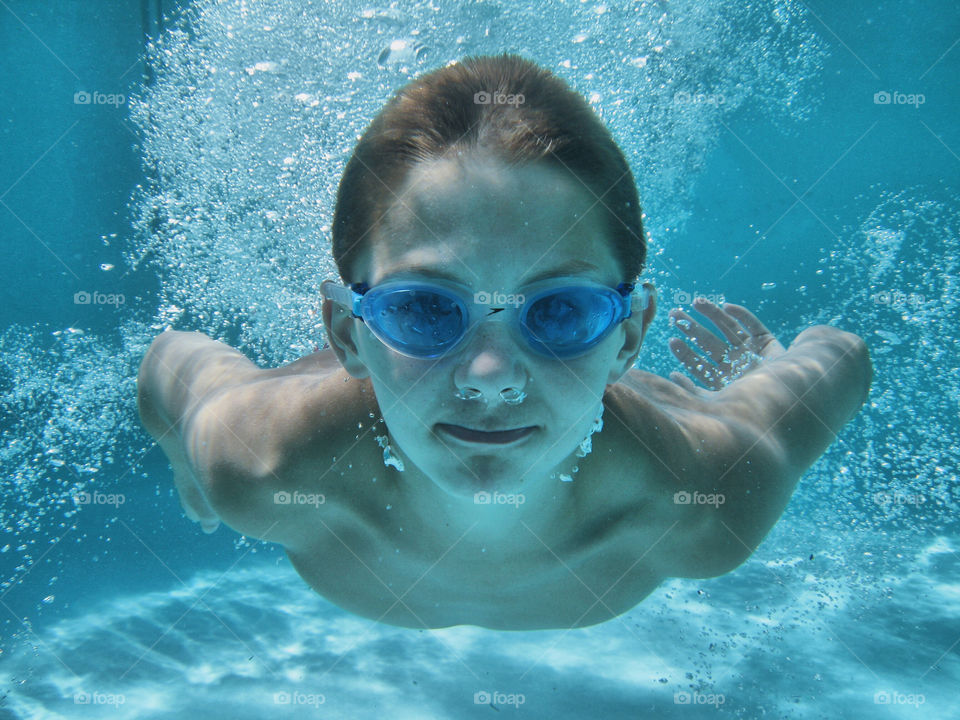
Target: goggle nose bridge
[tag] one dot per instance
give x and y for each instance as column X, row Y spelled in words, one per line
column 353, row 297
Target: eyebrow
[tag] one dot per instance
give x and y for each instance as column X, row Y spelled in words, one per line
column 571, row 267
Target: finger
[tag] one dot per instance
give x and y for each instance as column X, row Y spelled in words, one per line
column 209, row 526
column 194, row 504
column 697, row 365
column 684, row 382
column 747, row 319
column 710, row 343
column 727, row 324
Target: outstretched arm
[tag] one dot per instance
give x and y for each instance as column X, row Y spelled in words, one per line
column 237, row 434
column 179, row 372
column 793, row 403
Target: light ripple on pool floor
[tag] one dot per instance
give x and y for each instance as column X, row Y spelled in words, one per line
column 260, row 631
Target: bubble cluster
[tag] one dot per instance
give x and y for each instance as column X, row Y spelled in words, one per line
column 246, row 129
column 66, row 413
column 257, row 107
column 900, row 274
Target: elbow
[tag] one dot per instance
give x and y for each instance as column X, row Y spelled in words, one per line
column 733, row 547
column 857, row 377
column 848, row 365
column 862, row 354
column 715, row 548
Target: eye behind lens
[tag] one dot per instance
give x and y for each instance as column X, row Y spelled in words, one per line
column 570, row 321
column 419, row 322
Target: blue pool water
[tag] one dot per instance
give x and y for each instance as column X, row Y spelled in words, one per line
column 797, row 158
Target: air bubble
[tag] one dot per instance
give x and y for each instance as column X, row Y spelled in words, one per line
column 390, row 458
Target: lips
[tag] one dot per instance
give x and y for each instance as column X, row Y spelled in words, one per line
column 498, row 437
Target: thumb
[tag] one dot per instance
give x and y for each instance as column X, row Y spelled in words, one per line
column 683, row 381
column 209, row 525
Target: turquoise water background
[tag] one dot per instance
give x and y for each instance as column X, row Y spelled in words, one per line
column 772, row 173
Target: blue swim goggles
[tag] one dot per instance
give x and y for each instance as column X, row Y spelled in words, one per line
column 428, row 319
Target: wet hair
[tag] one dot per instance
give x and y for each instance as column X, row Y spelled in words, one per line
column 438, row 115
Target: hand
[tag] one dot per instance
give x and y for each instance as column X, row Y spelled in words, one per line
column 195, row 506
column 749, row 343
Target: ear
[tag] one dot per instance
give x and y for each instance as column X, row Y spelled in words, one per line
column 341, row 328
column 635, row 328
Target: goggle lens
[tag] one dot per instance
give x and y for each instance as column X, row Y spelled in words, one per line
column 426, row 321
column 571, row 320
column 421, row 322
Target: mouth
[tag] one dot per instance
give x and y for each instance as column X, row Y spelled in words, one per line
column 497, row 437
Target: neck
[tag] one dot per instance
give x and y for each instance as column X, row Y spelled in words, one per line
column 539, row 506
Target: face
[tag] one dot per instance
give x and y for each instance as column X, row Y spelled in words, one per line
column 491, row 229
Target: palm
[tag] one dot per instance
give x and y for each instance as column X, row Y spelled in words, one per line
column 719, row 363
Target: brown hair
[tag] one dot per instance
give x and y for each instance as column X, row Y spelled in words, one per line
column 437, row 114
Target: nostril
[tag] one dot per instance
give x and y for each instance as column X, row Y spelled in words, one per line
column 512, row 396
column 469, row 394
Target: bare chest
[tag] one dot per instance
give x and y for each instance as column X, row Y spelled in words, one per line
column 385, row 565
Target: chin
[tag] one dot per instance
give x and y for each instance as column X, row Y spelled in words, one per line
column 482, row 473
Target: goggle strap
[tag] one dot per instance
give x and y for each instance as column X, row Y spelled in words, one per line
column 625, row 289
column 348, row 297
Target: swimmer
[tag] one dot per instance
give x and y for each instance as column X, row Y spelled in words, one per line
column 476, row 445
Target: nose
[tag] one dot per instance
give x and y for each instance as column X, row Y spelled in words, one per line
column 491, row 367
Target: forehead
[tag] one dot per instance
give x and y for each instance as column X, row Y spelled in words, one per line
column 480, row 219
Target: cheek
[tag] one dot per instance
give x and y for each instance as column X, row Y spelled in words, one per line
column 578, row 381
column 406, row 388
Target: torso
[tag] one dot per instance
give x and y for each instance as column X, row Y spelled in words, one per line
column 386, row 564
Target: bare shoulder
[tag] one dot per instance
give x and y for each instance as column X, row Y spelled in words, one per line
column 701, row 462
column 687, row 433
column 280, row 431
column 747, row 445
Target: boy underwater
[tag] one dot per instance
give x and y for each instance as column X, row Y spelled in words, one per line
column 476, row 445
